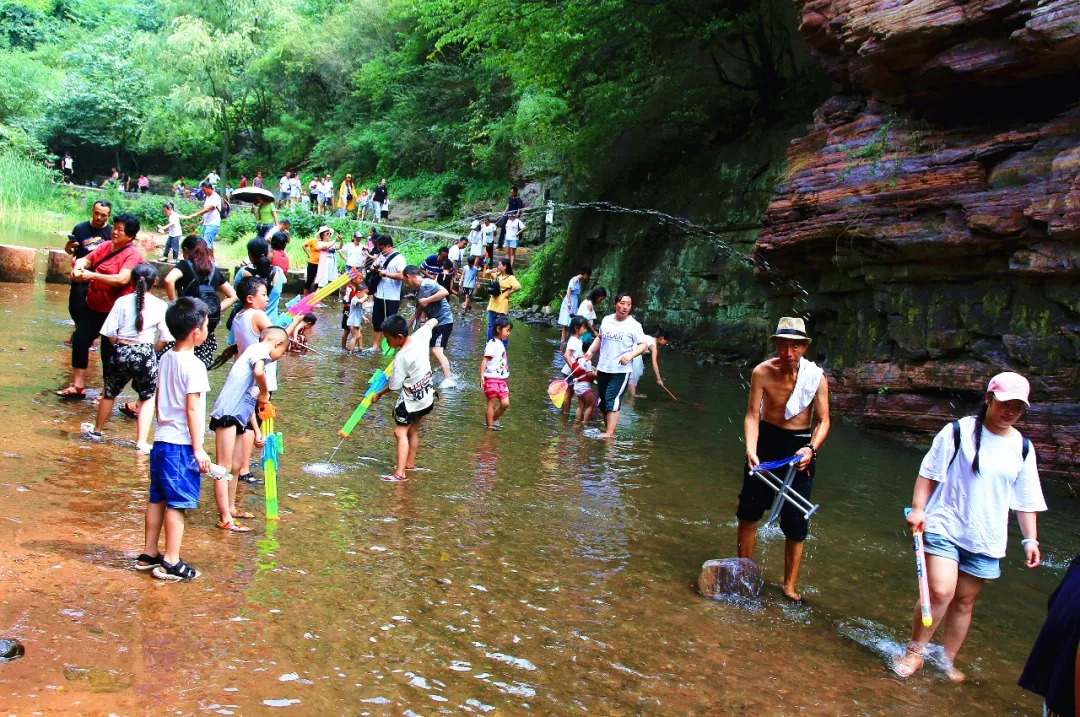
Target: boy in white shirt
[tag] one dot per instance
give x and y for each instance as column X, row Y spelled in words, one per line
column 487, row 234
column 494, row 370
column 411, row 375
column 175, row 231
column 177, row 459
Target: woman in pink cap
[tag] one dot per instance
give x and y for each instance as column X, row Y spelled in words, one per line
column 978, row 469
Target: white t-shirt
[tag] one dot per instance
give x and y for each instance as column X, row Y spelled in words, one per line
column 498, row 365
column 513, row 228
column 973, row 510
column 476, row 243
column 294, row 186
column 456, row 254
column 353, row 254
column 586, row 310
column 120, row 324
column 412, row 372
column 213, row 178
column 212, row 217
column 618, row 337
column 179, row 373
column 68, row 163
column 327, row 188
column 577, row 350
column 174, row 229
column 390, row 288
column 487, row 231
column 284, row 184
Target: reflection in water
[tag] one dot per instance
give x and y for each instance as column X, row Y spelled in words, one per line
column 529, row 570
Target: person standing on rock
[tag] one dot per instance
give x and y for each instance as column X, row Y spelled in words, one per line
column 977, row 470
column 787, row 395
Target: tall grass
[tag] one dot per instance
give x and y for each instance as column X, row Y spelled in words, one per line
column 28, row 190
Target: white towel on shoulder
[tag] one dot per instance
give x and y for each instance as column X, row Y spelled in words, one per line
column 806, row 386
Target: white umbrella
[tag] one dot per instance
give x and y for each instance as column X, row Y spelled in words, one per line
column 247, row 194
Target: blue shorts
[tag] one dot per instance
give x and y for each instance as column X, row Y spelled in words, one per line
column 511, row 243
column 175, row 477
column 209, row 234
column 974, row 564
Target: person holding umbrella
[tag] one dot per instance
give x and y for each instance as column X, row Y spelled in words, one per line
column 263, row 207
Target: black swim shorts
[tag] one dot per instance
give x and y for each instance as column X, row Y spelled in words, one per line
column 756, row 498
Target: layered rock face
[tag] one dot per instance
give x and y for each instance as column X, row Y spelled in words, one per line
column 932, row 215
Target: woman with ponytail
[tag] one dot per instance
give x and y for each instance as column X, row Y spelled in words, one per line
column 978, row 469
column 259, row 265
column 196, row 276
column 136, row 330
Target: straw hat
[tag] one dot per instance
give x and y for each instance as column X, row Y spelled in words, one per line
column 793, row 328
column 324, row 229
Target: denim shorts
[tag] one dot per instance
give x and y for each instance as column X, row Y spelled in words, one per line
column 974, row 564
column 209, row 234
column 175, row 477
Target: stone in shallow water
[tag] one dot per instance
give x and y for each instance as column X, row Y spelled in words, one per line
column 11, row 650
column 730, row 578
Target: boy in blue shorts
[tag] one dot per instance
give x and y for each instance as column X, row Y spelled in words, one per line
column 177, row 460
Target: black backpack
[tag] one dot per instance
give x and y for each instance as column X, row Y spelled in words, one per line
column 373, row 278
column 956, row 445
column 208, row 295
column 494, row 288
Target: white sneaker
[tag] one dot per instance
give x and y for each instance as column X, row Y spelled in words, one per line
column 89, row 433
column 449, row 382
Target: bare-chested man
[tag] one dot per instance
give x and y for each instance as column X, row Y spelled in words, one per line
column 777, row 425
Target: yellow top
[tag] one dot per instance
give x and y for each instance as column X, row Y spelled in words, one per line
column 501, row 304
column 349, row 204
column 312, row 249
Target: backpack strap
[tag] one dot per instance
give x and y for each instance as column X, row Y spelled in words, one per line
column 956, row 443
column 1027, row 449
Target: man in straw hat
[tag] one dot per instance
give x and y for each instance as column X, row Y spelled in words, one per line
column 786, row 394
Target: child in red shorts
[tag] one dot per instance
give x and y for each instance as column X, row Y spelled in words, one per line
column 494, row 370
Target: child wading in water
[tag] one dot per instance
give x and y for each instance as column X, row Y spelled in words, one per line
column 412, row 376
column 655, row 340
column 357, row 292
column 247, row 327
column 298, row 337
column 494, row 370
column 978, row 469
column 136, row 327
column 579, row 372
column 177, row 459
column 468, row 281
column 234, row 413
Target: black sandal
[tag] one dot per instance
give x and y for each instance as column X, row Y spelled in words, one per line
column 125, row 408
column 180, row 571
column 150, row 561
column 248, row 478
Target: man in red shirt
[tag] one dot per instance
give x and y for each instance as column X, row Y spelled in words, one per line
column 107, row 270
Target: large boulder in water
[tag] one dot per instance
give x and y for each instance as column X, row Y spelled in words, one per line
column 728, row 578
column 59, row 267
column 17, row 264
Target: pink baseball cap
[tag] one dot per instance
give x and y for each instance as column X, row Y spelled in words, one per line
column 1009, row 386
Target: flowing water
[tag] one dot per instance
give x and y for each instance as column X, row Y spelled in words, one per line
column 529, row 571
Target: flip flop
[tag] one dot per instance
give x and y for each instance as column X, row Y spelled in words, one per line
column 233, row 527
column 72, row 393
column 246, row 515
column 125, row 408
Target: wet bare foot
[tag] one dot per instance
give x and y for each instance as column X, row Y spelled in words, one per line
column 908, row 664
column 792, row 595
column 143, row 448
column 954, row 674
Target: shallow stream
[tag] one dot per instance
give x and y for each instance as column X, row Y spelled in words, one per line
column 532, row 571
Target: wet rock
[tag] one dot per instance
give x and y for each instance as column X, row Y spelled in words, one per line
column 17, row 264
column 10, row 650
column 731, row 578
column 58, row 269
column 96, row 679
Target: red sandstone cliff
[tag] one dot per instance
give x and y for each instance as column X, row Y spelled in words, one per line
column 933, row 211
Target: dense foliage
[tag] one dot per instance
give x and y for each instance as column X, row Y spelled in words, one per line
column 452, row 98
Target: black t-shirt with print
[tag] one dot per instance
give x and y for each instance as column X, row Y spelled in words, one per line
column 88, row 238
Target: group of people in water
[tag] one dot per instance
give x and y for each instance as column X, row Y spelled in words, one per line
column 978, row 469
